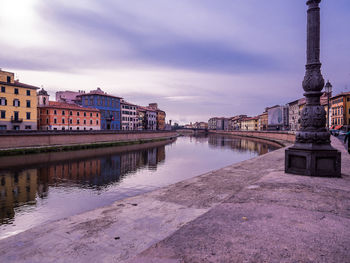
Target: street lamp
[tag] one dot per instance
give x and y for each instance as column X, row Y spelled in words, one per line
column 312, row 153
column 328, row 89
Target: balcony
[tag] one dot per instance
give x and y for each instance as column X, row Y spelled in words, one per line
column 16, row 120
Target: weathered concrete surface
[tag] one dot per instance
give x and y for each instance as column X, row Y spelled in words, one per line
column 247, row 212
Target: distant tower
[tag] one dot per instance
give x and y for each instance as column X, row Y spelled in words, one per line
column 43, row 98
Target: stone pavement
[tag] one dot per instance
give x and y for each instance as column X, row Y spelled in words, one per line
column 248, row 212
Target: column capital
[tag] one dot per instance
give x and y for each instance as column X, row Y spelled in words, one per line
column 313, row 3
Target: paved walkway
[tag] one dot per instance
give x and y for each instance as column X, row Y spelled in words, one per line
column 247, row 212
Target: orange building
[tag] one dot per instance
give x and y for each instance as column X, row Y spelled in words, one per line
column 53, row 115
column 340, row 110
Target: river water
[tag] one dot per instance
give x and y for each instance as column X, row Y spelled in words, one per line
column 38, row 188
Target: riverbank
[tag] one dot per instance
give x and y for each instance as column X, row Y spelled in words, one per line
column 284, row 138
column 42, row 142
column 248, row 212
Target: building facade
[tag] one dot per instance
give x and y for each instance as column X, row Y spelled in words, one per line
column 294, row 115
column 129, row 117
column 249, row 123
column 54, row 115
column 234, row 123
column 18, row 104
column 108, row 105
column 263, row 121
column 151, row 119
column 160, row 116
column 340, row 111
column 278, row 118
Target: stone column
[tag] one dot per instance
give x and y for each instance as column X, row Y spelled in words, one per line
column 312, row 153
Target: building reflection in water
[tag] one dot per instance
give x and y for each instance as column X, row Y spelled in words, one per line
column 241, row 144
column 20, row 187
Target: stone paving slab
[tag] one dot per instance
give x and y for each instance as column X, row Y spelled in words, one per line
column 279, row 218
column 247, row 212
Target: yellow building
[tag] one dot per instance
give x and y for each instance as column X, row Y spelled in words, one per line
column 18, row 104
column 250, row 124
column 340, row 110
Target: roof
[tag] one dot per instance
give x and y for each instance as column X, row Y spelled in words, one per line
column 293, row 102
column 43, row 92
column 127, row 103
column 100, row 92
column 340, row 94
column 68, row 106
column 19, row 84
column 250, row 118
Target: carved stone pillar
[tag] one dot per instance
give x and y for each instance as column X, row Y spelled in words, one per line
column 312, row 153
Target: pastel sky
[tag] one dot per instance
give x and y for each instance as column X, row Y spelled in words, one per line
column 196, row 58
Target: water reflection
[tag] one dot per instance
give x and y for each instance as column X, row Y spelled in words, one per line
column 240, row 144
column 38, row 188
column 20, row 186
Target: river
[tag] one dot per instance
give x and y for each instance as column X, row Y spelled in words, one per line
column 38, row 188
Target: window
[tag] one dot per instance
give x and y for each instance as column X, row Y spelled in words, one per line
column 78, row 113
column 16, row 115
column 28, row 127
column 84, row 114
column 63, row 120
column 54, row 120
column 97, row 113
column 90, row 121
column 16, row 91
column 70, row 121
column 3, row 114
column 28, row 115
column 78, row 121
column 55, row 112
column 8, row 79
column 97, row 122
column 90, row 114
column 47, row 121
column 3, row 89
column 3, row 101
column 70, row 128
column 28, row 103
column 3, row 127
column 63, row 112
column 47, row 112
column 16, row 103
column 70, row 113
column 84, row 121
column 28, row 92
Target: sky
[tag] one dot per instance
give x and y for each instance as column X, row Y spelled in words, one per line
column 195, row 58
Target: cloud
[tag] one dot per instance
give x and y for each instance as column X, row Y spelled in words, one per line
column 196, row 58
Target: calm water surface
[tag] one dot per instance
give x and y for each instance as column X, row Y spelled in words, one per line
column 39, row 188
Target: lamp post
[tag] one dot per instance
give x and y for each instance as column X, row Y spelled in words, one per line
column 328, row 90
column 312, row 153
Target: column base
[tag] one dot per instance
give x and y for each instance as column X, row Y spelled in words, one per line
column 313, row 162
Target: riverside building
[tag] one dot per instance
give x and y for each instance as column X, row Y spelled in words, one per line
column 18, row 104
column 54, row 115
column 340, row 111
column 130, row 118
column 160, row 115
column 108, row 105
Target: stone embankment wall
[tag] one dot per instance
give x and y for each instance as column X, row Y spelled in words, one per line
column 47, row 139
column 276, row 136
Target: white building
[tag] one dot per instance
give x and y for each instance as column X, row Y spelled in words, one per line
column 130, row 119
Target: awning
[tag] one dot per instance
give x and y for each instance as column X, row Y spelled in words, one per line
column 332, row 127
column 338, row 127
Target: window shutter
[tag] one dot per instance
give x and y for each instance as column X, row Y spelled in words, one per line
column 19, row 103
column 13, row 102
column 5, row 102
